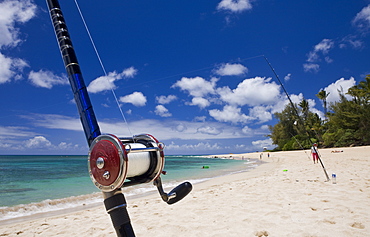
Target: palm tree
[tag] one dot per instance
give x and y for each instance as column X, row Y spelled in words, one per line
column 361, row 92
column 322, row 95
column 305, row 107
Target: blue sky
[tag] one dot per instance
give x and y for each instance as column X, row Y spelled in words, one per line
column 191, row 73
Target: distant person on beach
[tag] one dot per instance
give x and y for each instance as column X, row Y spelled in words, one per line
column 314, row 151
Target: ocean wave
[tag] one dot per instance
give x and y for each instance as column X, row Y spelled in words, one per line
column 51, row 205
column 48, row 206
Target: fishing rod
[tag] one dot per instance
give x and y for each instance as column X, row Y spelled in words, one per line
column 299, row 118
column 113, row 162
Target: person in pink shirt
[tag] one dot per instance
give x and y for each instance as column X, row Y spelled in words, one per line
column 314, row 152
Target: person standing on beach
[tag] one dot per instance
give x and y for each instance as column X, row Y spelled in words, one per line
column 315, row 155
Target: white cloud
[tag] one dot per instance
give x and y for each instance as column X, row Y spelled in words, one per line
column 311, row 103
column 356, row 43
column 201, row 102
column 261, row 113
column 311, row 67
column 318, row 112
column 328, row 59
column 198, row 147
column 10, row 132
column 107, row 82
column 172, row 129
column 362, row 19
column 229, row 114
column 164, row 130
column 103, row 83
column 352, row 41
column 165, row 99
column 180, row 127
column 196, row 86
column 162, row 111
column 6, row 72
column 253, row 91
column 38, row 142
column 69, row 146
column 324, row 46
column 54, row 121
column 46, row 79
column 282, row 101
column 136, row 98
column 129, row 72
column 231, row 69
column 247, row 130
column 314, row 56
column 287, row 77
column 12, row 12
column 235, row 5
column 321, row 48
column 209, row 130
column 341, row 85
column 200, row 118
column 11, row 68
column 4, row 145
column 263, row 143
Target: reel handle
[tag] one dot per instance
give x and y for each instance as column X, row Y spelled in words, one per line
column 175, row 194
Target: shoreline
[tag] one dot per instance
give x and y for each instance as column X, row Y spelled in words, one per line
column 286, row 196
column 54, row 207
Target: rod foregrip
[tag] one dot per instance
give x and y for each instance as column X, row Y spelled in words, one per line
column 115, row 204
column 84, row 106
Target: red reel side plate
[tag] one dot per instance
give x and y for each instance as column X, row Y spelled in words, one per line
column 107, row 163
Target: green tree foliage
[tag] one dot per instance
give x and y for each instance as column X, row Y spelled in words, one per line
column 282, row 132
column 347, row 124
column 305, row 108
column 322, row 95
column 294, row 129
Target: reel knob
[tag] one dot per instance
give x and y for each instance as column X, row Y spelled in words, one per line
column 175, row 194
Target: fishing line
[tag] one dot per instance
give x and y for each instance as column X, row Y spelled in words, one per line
column 300, row 119
column 300, row 145
column 102, row 66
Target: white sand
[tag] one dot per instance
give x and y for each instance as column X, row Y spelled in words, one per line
column 266, row 201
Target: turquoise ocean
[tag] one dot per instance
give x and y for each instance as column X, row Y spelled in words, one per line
column 40, row 184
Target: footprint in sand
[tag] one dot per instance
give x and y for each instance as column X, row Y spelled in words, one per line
column 329, row 221
column 262, row 233
column 358, row 225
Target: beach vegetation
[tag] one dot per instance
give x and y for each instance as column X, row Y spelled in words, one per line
column 322, row 95
column 347, row 121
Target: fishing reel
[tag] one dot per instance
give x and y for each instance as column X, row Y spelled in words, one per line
column 115, row 162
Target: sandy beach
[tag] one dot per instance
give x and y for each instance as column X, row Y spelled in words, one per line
column 287, row 195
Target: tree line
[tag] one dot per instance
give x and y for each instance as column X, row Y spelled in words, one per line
column 346, row 122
